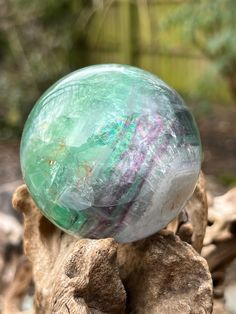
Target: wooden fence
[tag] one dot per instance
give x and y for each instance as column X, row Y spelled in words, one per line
column 128, row 32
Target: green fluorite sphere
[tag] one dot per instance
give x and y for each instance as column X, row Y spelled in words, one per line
column 110, row 151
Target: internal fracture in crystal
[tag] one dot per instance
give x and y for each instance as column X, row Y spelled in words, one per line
column 110, row 151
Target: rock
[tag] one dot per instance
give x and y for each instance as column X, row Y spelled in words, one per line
column 222, row 218
column 11, row 228
column 160, row 274
column 230, row 288
column 225, row 204
column 6, row 191
column 78, row 276
column 220, row 249
column 19, row 288
column 192, row 221
column 11, row 232
column 220, row 240
column 197, row 210
column 219, row 307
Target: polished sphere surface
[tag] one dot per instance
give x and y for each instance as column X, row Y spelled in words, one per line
column 110, row 151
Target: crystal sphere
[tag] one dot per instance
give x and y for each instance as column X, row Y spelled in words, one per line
column 110, row 151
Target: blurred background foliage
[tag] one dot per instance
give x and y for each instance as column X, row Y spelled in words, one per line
column 189, row 44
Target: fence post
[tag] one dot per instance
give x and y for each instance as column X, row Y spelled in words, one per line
column 126, row 49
